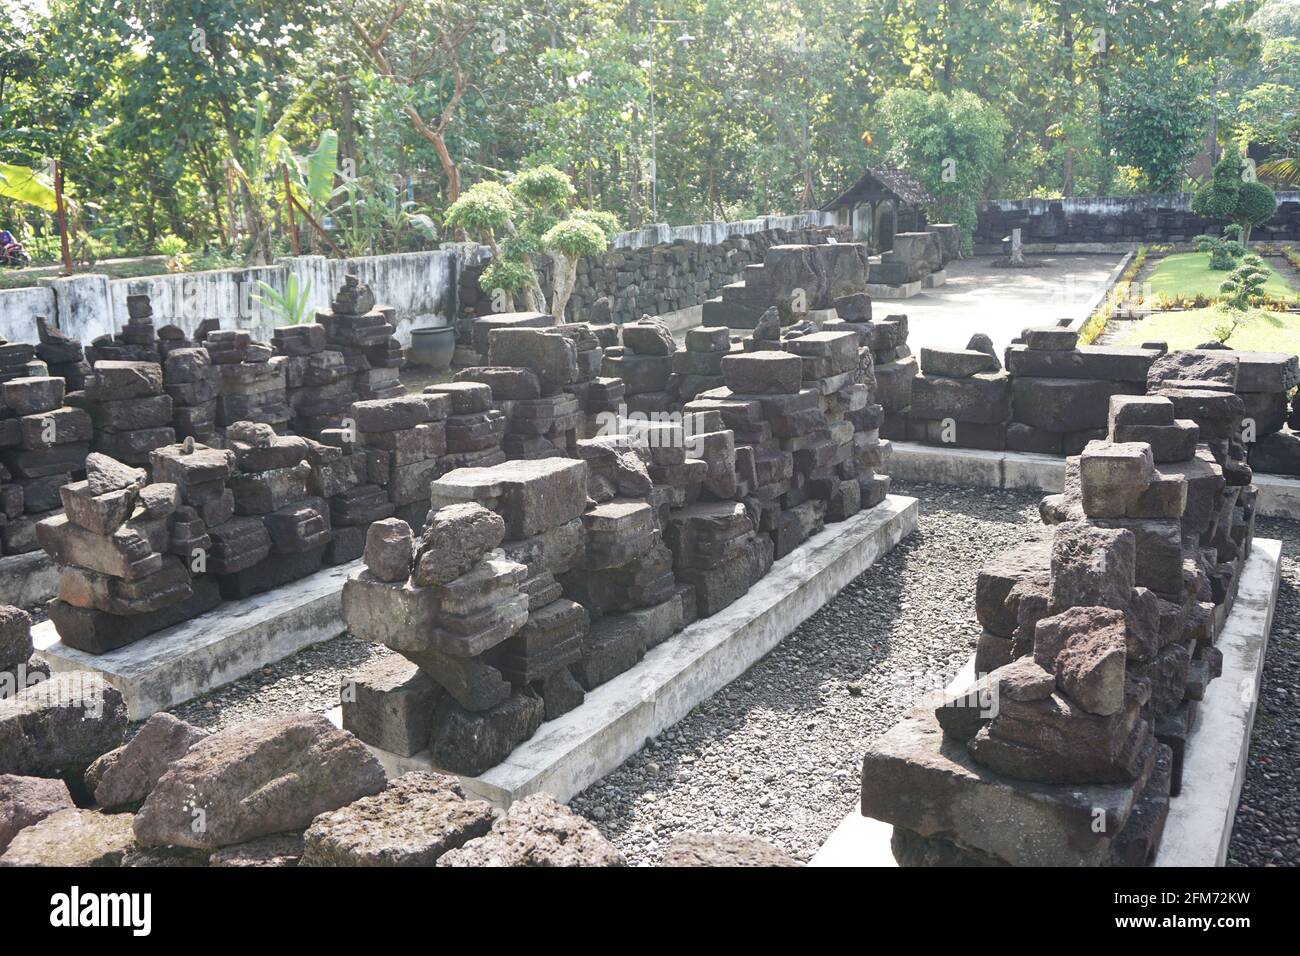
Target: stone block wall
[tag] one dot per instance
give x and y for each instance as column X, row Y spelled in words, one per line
column 1148, row 219
column 654, row 279
column 1053, row 395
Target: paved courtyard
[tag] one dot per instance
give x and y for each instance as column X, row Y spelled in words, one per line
column 1000, row 302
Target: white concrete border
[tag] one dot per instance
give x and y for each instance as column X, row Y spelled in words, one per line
column 229, row 642
column 1199, row 826
column 570, row 753
column 1279, row 497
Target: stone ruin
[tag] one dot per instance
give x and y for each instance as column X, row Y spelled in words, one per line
column 1098, row 644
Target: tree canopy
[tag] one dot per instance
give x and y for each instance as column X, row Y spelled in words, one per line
column 186, row 118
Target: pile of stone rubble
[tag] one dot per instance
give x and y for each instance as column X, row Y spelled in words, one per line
column 278, row 792
column 1099, row 643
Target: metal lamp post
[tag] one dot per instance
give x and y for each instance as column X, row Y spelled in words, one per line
column 684, row 39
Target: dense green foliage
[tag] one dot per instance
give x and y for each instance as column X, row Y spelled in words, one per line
column 197, row 118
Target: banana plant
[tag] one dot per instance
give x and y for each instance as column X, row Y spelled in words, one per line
column 260, row 175
column 25, row 185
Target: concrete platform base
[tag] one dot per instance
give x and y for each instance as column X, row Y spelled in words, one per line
column 1279, row 497
column 1200, row 819
column 935, row 279
column 191, row 659
column 569, row 754
column 27, row 580
column 878, row 290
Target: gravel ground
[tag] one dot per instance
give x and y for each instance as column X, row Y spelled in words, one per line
column 1267, row 828
column 777, row 753
column 307, row 681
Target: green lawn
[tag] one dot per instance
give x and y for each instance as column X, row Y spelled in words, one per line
column 1189, row 274
column 1261, row 332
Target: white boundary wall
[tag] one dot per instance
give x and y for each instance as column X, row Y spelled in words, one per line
column 421, row 286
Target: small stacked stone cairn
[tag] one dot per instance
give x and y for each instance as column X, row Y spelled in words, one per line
column 193, row 384
column 123, row 572
column 340, row 474
column 598, row 396
column 137, row 341
column 546, row 425
column 698, row 367
column 61, row 353
column 477, row 423
column 270, row 487
column 837, row 446
column 362, row 333
column 132, row 414
column 1264, row 382
column 1060, row 392
column 624, row 579
column 204, row 530
column 541, row 503
column 252, row 380
column 895, row 369
column 446, row 603
column 645, row 364
column 172, row 337
column 404, row 439
column 963, row 396
column 319, row 386
column 42, row 444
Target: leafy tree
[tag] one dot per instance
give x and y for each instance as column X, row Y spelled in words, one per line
column 1153, row 118
column 951, row 142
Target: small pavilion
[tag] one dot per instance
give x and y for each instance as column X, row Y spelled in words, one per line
column 882, row 203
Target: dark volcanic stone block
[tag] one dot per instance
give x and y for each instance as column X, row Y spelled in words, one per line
column 984, row 398
column 1065, row 404
column 271, row 573
column 96, row 632
column 389, row 703
column 1090, row 361
column 470, row 743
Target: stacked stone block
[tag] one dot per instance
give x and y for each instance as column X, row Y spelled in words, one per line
column 895, row 369
column 193, row 384
column 362, row 333
column 962, row 397
column 123, row 572
column 340, row 474
column 446, row 603
column 270, row 487
column 645, row 364
column 253, row 380
column 137, row 341
column 131, row 412
column 42, row 444
column 404, row 440
column 1060, row 392
column 548, row 424
column 62, row 355
column 319, row 386
column 698, row 367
